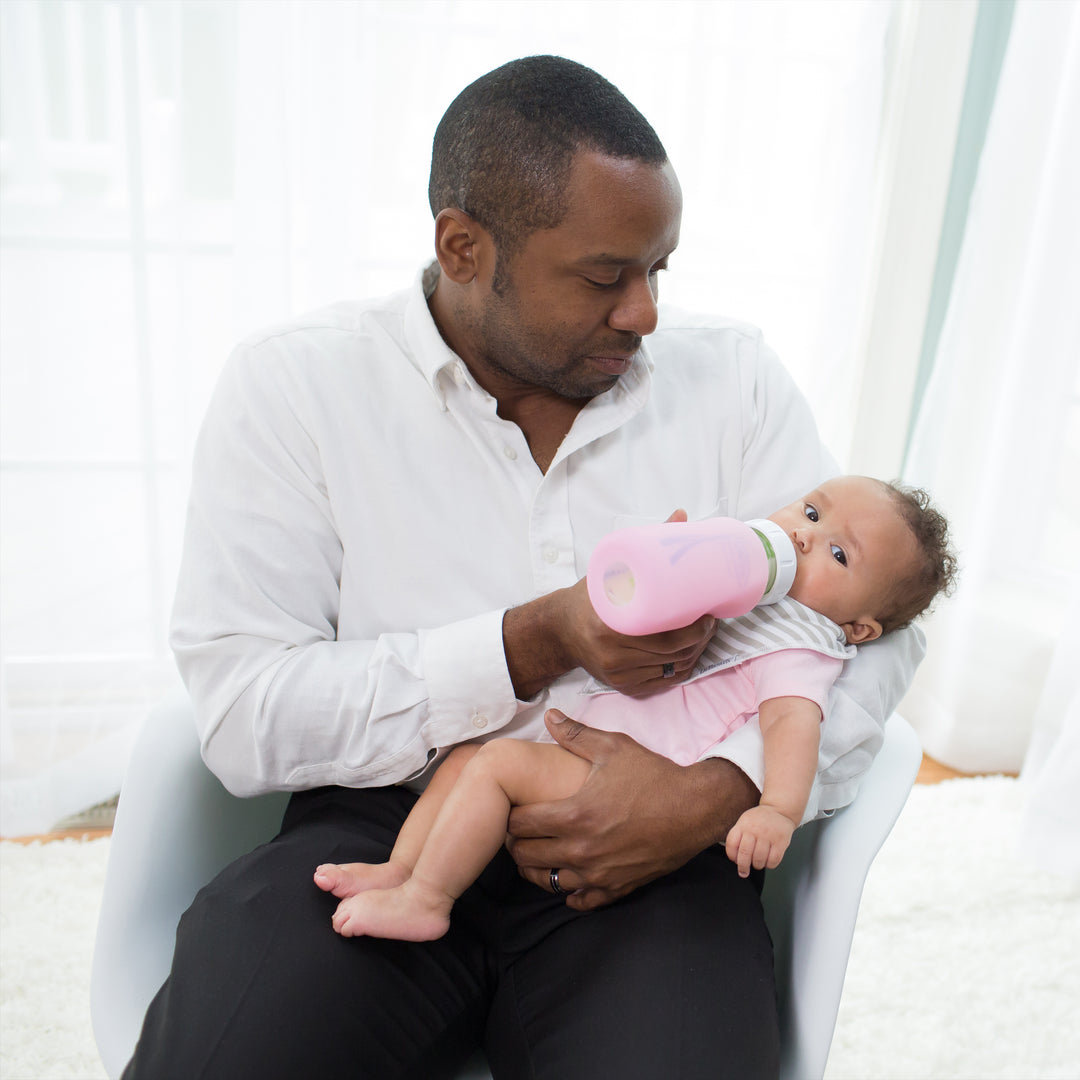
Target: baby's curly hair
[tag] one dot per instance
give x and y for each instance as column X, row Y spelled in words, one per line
column 936, row 568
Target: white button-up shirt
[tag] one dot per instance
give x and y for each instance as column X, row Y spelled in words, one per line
column 361, row 518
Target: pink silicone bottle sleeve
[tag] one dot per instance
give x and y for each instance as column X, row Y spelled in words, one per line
column 651, row 578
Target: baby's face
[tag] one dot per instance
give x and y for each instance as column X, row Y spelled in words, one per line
column 851, row 544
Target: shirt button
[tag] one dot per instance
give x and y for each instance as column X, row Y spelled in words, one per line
column 550, row 555
column 479, row 720
column 510, row 452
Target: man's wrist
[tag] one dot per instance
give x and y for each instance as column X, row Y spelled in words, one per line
column 535, row 653
column 721, row 793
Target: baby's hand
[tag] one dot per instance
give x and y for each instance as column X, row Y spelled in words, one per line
column 759, row 839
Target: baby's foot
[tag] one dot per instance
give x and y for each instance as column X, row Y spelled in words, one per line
column 349, row 879
column 391, row 913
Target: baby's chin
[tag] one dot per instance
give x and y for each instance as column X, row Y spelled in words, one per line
column 797, row 592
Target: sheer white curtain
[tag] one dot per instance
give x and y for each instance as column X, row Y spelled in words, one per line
column 175, row 174
column 998, row 441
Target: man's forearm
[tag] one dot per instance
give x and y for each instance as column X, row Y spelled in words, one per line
column 716, row 792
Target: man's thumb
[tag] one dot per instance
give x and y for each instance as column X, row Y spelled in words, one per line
column 563, row 730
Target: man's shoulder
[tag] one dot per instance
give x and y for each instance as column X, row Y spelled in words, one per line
column 674, row 319
column 697, row 344
column 345, row 317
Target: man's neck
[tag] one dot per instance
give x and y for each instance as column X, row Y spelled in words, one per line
column 543, row 416
column 544, row 419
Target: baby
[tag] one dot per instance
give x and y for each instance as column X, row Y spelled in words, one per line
column 870, row 557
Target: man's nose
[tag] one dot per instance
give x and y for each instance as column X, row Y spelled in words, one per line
column 636, row 310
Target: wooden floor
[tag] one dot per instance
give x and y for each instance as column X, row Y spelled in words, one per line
column 933, row 772
column 60, row 834
column 930, row 772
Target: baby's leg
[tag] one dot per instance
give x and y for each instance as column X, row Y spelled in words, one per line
column 468, row 831
column 348, row 879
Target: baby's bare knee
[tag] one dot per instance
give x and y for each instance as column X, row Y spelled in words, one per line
column 455, row 763
column 501, row 757
column 463, row 753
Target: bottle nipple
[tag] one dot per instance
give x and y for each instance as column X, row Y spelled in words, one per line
column 780, row 552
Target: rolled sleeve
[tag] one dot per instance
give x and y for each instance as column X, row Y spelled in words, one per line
column 745, row 748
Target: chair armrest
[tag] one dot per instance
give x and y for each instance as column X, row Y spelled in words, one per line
column 812, row 901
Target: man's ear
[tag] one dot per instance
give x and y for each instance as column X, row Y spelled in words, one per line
column 462, row 246
column 861, row 631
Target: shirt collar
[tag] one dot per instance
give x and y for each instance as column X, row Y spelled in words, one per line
column 430, row 354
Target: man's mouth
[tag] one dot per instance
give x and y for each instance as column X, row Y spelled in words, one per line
column 613, row 365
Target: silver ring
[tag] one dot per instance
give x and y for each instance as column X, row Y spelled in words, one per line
column 669, row 671
column 556, row 888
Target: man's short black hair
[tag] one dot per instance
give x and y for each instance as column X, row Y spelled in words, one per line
column 503, row 149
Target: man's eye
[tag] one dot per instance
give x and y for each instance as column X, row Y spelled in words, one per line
column 602, row 284
column 838, row 554
column 810, row 512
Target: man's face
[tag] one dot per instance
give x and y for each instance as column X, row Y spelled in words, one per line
column 851, row 543
column 576, row 300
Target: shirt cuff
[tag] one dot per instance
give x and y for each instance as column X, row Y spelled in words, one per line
column 469, row 688
column 745, row 748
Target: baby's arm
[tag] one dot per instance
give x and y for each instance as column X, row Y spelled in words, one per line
column 791, row 731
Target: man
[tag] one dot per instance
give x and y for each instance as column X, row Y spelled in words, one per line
column 392, row 508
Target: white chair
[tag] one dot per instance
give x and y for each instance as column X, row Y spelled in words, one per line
column 176, row 827
column 812, row 899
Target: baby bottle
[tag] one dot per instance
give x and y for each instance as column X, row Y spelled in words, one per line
column 649, row 578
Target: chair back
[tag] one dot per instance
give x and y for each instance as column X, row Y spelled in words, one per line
column 176, row 827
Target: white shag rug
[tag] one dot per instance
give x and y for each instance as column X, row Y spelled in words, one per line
column 966, row 961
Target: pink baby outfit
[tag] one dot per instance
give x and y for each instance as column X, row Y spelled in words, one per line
column 782, row 650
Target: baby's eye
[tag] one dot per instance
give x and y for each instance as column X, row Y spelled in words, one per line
column 838, row 554
column 810, row 512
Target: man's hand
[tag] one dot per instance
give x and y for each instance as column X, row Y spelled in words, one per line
column 553, row 634
column 637, row 817
column 759, row 839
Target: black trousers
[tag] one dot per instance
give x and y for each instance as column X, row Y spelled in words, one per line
column 675, row 981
